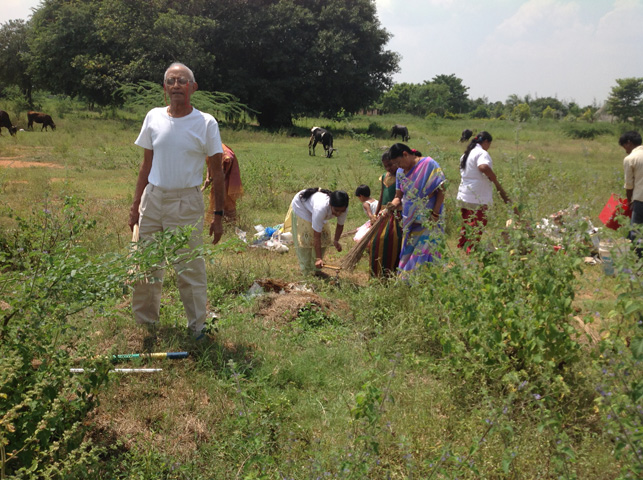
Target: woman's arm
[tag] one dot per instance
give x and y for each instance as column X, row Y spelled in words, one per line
column 319, row 262
column 488, row 171
column 338, row 233
column 379, row 202
column 439, row 200
column 397, row 201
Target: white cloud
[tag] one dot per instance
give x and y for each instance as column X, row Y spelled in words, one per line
column 15, row 9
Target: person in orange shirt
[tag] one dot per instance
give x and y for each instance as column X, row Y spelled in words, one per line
column 233, row 186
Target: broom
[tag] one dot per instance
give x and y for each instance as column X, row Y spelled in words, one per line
column 349, row 262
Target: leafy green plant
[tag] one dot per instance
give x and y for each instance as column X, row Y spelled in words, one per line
column 48, row 277
column 510, row 310
column 620, row 391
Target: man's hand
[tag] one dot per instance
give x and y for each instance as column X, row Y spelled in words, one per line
column 133, row 218
column 216, row 229
column 206, row 184
column 319, row 263
column 338, row 246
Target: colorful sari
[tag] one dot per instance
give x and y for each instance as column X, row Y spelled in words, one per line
column 421, row 235
column 384, row 251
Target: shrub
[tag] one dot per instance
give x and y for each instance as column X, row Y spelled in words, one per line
column 588, row 132
column 510, row 311
column 48, row 276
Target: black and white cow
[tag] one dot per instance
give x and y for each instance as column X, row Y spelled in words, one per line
column 400, row 130
column 317, row 135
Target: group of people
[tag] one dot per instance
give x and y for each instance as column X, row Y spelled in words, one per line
column 412, row 196
column 178, row 139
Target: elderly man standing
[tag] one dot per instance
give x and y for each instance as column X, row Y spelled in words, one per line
column 177, row 140
column 633, row 166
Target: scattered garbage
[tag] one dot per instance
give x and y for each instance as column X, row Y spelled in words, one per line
column 554, row 226
column 254, row 290
column 271, row 285
column 609, row 250
column 270, row 238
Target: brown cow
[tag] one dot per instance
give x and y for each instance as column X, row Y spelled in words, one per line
column 6, row 122
column 39, row 117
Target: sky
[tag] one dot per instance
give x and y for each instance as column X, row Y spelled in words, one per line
column 573, row 50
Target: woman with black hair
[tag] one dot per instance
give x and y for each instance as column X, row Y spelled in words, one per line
column 307, row 218
column 476, row 189
column 419, row 188
column 384, row 251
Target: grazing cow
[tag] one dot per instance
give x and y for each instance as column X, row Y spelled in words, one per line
column 402, row 131
column 40, row 118
column 6, row 122
column 466, row 135
column 318, row 134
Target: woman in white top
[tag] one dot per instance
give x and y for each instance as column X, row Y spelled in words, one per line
column 309, row 213
column 476, row 189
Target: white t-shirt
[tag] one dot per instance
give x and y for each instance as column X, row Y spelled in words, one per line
column 316, row 210
column 475, row 186
column 180, row 146
column 373, row 206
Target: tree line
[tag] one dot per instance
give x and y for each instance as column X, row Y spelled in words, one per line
column 446, row 96
column 282, row 58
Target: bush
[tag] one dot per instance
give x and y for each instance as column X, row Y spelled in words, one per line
column 588, row 132
column 48, row 276
column 510, row 312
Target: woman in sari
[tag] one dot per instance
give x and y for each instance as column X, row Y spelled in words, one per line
column 419, row 189
column 387, row 241
column 307, row 219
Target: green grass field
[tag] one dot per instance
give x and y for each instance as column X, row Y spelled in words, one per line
column 355, row 378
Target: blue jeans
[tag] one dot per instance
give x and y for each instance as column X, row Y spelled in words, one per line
column 637, row 219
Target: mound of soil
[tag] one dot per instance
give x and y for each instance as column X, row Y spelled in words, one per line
column 284, row 301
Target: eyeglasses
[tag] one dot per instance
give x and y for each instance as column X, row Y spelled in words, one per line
column 170, row 81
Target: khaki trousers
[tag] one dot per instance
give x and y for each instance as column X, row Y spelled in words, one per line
column 166, row 210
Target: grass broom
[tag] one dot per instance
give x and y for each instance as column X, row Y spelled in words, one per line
column 349, row 262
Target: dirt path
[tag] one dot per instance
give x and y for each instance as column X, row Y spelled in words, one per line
column 7, row 162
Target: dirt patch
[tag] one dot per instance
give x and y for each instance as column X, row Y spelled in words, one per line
column 7, row 162
column 172, row 416
column 285, row 301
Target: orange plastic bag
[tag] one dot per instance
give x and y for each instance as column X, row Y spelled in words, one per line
column 614, row 208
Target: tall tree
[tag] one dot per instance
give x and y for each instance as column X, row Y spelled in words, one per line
column 284, row 58
column 539, row 105
column 288, row 58
column 458, row 101
column 90, row 47
column 626, row 100
column 14, row 56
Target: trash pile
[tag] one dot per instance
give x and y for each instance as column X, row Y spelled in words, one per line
column 555, row 225
column 270, row 238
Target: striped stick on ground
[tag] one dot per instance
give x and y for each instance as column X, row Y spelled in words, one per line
column 119, row 370
column 131, row 356
column 168, row 355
